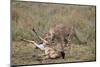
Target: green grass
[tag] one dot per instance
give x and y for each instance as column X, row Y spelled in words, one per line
column 41, row 16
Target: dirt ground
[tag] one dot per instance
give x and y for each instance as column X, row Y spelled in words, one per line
column 25, row 53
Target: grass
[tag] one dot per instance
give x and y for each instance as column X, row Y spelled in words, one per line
column 41, row 16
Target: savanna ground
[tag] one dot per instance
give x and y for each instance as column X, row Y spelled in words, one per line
column 41, row 16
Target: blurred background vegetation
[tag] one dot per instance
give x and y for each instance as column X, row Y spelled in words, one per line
column 41, row 16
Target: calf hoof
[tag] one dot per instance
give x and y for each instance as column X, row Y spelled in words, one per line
column 36, row 47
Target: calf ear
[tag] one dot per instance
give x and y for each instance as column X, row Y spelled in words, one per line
column 45, row 41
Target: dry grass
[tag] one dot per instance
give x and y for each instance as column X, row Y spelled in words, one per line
column 23, row 54
column 41, row 16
